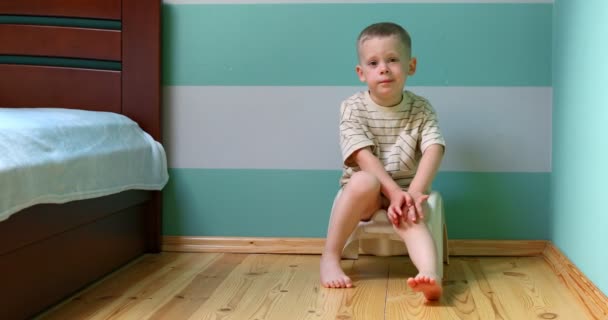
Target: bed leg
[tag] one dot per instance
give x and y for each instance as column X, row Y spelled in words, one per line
column 153, row 217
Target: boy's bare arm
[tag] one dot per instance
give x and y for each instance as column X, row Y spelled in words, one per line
column 399, row 199
column 427, row 169
column 368, row 162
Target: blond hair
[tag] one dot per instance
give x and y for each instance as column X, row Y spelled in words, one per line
column 385, row 29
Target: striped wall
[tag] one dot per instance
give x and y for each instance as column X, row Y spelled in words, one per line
column 251, row 97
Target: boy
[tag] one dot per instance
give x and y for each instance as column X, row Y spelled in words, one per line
column 392, row 148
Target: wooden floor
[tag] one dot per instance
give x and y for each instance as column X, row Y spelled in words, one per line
column 286, row 287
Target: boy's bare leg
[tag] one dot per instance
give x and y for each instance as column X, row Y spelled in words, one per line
column 422, row 251
column 358, row 201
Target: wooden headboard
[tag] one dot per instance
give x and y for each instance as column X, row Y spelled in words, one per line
column 130, row 46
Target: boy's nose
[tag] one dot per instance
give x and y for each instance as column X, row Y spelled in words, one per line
column 383, row 68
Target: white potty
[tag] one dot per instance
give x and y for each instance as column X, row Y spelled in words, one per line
column 377, row 236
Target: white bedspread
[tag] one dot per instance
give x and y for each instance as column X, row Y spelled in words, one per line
column 60, row 155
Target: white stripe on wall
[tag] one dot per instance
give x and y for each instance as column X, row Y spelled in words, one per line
column 346, row 1
column 487, row 129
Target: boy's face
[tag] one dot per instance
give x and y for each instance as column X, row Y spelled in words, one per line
column 385, row 64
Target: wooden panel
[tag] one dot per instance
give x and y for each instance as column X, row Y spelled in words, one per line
column 141, row 64
column 497, row 247
column 38, row 86
column 243, row 244
column 315, row 246
column 99, row 9
column 45, row 220
column 60, row 42
column 41, row 274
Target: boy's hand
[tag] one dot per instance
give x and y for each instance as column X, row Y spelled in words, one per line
column 400, row 204
column 406, row 206
column 419, row 199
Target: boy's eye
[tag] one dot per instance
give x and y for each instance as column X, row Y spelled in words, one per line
column 393, row 60
column 372, row 63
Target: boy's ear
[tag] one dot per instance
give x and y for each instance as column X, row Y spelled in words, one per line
column 359, row 71
column 412, row 67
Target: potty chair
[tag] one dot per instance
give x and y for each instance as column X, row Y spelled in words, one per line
column 377, row 236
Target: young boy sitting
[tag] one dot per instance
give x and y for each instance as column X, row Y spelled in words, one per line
column 392, row 148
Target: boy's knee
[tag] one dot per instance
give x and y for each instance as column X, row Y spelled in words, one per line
column 363, row 183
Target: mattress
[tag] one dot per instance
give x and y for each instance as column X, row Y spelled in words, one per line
column 51, row 155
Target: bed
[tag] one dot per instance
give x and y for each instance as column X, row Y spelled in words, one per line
column 94, row 55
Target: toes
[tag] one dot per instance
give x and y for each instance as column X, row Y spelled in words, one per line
column 338, row 282
column 348, row 283
column 341, row 283
column 424, row 279
column 430, row 287
column 411, row 282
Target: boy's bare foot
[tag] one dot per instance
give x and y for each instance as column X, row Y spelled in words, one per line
column 427, row 285
column 332, row 275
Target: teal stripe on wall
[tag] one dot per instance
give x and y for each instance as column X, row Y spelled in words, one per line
column 314, row 44
column 296, row 203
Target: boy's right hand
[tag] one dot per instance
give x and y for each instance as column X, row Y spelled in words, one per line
column 400, row 203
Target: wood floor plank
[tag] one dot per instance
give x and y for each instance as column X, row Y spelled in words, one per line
column 522, row 286
column 515, row 288
column 457, row 296
column 299, row 293
column 487, row 304
column 245, row 292
column 403, row 303
column 144, row 296
column 589, row 296
column 327, row 303
column 280, row 300
column 144, row 300
column 366, row 300
column 278, row 287
column 92, row 300
column 200, row 289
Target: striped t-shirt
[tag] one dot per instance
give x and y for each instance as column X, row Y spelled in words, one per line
column 397, row 135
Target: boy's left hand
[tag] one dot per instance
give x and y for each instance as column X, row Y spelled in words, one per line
column 417, row 209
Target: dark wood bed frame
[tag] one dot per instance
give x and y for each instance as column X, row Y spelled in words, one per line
column 50, row 251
